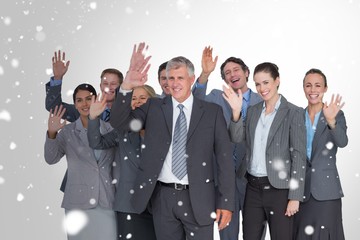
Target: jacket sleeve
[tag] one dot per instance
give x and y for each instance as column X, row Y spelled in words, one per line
column 54, row 149
column 53, row 98
column 99, row 141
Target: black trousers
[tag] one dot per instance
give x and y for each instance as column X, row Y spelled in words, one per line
column 135, row 226
column 265, row 204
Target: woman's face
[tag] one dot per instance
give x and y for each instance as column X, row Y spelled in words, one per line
column 266, row 85
column 314, row 88
column 83, row 102
column 139, row 97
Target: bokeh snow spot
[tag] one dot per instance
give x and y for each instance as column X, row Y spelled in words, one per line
column 75, row 221
column 329, row 145
column 309, row 230
column 20, row 197
column 5, row 115
column 135, row 125
column 2, row 180
column 12, row 146
column 294, row 184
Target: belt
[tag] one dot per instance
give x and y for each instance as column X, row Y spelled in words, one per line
column 176, row 186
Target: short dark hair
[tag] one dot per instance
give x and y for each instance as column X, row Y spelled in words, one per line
column 86, row 87
column 113, row 71
column 317, row 71
column 268, row 67
column 234, row 60
column 161, row 68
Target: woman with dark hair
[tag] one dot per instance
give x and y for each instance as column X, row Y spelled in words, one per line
column 320, row 215
column 274, row 166
column 89, row 185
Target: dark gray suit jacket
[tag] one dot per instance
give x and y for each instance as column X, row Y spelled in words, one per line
column 322, row 177
column 286, row 143
column 215, row 96
column 207, row 135
column 53, row 99
column 127, row 161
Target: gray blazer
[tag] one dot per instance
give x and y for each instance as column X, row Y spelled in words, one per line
column 89, row 181
column 286, row 142
column 207, row 135
column 322, row 177
column 127, row 161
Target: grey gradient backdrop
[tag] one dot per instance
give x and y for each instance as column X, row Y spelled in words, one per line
column 296, row 35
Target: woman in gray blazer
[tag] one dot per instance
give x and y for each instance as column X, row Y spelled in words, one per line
column 126, row 167
column 274, row 133
column 320, row 215
column 89, row 185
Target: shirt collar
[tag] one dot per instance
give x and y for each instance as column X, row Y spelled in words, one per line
column 187, row 103
column 277, row 105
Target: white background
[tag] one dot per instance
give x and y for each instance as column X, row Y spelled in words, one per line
column 296, row 35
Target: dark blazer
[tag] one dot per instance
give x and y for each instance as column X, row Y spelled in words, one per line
column 322, row 177
column 207, row 135
column 53, row 98
column 215, row 96
column 126, row 163
column 286, row 143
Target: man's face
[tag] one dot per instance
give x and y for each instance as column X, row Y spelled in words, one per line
column 163, row 82
column 109, row 83
column 235, row 76
column 180, row 83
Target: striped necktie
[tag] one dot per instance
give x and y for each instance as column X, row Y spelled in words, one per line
column 179, row 145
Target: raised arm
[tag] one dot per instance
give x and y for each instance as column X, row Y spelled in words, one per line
column 135, row 76
column 208, row 65
column 96, row 139
column 54, row 147
column 53, row 88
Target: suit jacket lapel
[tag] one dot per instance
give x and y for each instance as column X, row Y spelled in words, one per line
column 320, row 128
column 196, row 113
column 83, row 138
column 278, row 120
column 167, row 109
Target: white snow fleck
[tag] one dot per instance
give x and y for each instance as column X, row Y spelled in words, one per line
column 12, row 146
column 135, row 125
column 93, row 5
column 5, row 115
column 20, row 197
column 309, row 230
column 2, row 180
column 15, row 63
column 129, row 10
column 75, row 221
column 7, row 21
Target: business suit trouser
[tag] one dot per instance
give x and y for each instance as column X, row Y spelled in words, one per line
column 135, row 226
column 173, row 216
column 264, row 203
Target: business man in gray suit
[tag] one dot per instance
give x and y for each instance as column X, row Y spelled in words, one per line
column 235, row 73
column 275, row 137
column 183, row 206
